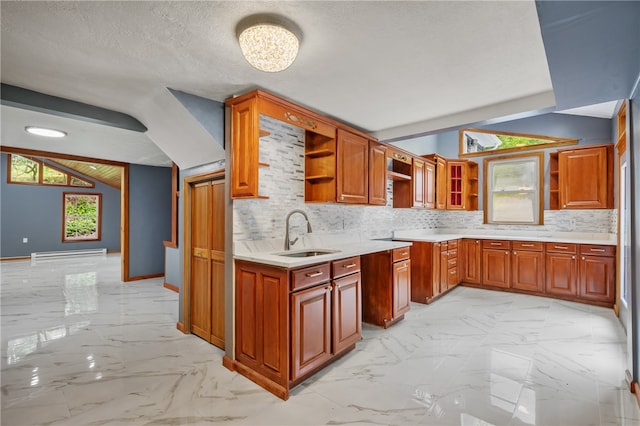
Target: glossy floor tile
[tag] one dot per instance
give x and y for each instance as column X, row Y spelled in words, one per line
column 79, row 347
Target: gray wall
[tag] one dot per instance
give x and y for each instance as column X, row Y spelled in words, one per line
column 35, row 212
column 149, row 218
column 588, row 131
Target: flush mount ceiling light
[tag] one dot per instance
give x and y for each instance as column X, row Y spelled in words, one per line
column 43, row 131
column 268, row 42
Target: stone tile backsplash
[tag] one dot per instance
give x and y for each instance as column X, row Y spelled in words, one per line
column 283, row 183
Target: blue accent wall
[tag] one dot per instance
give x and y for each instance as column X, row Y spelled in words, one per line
column 35, row 212
column 149, row 218
column 209, row 113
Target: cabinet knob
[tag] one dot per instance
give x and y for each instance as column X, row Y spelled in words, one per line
column 477, row 241
column 564, row 206
column 582, row 257
column 506, row 252
column 573, row 257
column 515, row 253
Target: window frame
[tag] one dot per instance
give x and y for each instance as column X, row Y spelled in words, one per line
column 41, row 166
column 553, row 142
column 98, row 218
column 539, row 156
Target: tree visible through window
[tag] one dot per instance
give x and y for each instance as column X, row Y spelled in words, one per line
column 513, row 191
column 33, row 171
column 82, row 217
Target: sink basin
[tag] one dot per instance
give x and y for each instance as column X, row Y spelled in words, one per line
column 306, row 253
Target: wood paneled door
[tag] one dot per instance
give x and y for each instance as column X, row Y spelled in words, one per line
column 207, row 261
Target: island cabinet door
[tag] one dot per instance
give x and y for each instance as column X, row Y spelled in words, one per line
column 310, row 329
column 262, row 320
column 401, row 287
column 347, row 312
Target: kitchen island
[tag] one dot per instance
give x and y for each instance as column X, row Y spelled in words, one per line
column 298, row 310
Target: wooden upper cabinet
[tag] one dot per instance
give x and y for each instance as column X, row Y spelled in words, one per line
column 441, row 182
column 377, row 173
column 245, row 123
column 417, row 181
column 455, row 182
column 429, row 185
column 352, row 168
column 585, row 178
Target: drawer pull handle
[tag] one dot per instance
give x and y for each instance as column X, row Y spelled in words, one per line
column 527, row 245
column 561, row 247
column 404, row 253
column 314, row 274
column 496, row 244
column 597, row 250
column 351, row 265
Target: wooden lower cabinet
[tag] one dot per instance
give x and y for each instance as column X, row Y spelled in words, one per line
column 597, row 273
column 291, row 323
column 471, row 261
column 347, row 321
column 262, row 323
column 386, row 292
column 527, row 266
column 561, row 270
column 496, row 263
column 310, row 329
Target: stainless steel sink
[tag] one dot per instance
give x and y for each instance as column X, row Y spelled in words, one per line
column 306, row 253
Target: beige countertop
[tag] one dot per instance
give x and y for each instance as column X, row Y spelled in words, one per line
column 552, row 237
column 270, row 254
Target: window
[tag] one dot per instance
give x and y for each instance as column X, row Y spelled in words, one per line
column 474, row 142
column 24, row 170
column 82, row 218
column 32, row 171
column 513, row 189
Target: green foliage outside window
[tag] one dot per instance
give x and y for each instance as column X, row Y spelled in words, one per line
column 24, row 169
column 82, row 214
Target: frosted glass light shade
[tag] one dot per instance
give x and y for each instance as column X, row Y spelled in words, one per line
column 43, row 131
column 269, row 47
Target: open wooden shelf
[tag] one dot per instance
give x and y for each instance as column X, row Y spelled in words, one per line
column 397, row 176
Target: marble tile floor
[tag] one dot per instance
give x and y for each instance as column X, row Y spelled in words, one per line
column 79, row 347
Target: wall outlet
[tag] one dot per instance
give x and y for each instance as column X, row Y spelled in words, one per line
column 25, row 240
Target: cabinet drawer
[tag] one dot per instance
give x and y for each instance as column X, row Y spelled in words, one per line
column 452, row 244
column 401, row 254
column 496, row 244
column 597, row 250
column 311, row 275
column 561, row 247
column 452, row 263
column 452, row 277
column 527, row 245
column 453, row 253
column 346, row 266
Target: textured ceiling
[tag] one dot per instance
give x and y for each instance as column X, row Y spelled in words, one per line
column 389, row 68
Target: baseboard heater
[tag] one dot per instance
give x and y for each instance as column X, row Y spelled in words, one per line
column 67, row 253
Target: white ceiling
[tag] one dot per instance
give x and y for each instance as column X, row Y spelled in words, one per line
column 393, row 69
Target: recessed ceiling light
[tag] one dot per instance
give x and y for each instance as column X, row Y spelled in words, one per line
column 43, row 131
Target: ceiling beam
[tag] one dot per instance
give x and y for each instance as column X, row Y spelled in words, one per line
column 35, row 101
